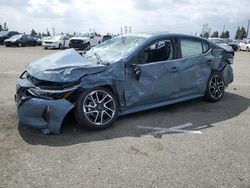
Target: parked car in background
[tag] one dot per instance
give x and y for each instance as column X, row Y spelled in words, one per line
column 20, row 40
column 123, row 75
column 6, row 34
column 106, row 37
column 222, row 42
column 58, row 41
column 85, row 40
column 245, row 45
column 38, row 40
column 232, row 43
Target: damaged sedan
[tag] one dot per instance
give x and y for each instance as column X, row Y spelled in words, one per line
column 123, row 75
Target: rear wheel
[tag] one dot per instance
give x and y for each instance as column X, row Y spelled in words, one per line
column 215, row 87
column 96, row 108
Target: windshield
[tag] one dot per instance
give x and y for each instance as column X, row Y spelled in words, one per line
column 16, row 37
column 115, row 49
column 3, row 33
column 83, row 35
column 56, row 37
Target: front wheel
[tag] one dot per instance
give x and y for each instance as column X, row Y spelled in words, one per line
column 215, row 87
column 96, row 108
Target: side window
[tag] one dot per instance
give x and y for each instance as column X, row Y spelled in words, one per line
column 159, row 51
column 190, row 47
column 205, row 46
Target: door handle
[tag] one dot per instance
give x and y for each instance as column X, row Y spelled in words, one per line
column 174, row 69
column 209, row 61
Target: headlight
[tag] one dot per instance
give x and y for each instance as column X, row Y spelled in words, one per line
column 45, row 93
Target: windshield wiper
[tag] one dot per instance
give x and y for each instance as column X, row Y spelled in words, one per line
column 99, row 59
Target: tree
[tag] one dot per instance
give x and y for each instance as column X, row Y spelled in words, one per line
column 241, row 33
column 215, row 34
column 48, row 33
column 33, row 32
column 225, row 34
column 5, row 27
column 205, row 35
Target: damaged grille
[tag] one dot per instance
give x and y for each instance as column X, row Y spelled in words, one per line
column 43, row 84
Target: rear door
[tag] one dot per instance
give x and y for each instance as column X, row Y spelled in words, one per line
column 195, row 61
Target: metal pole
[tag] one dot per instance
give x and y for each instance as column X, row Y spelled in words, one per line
column 248, row 28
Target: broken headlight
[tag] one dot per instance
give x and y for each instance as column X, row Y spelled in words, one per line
column 55, row 94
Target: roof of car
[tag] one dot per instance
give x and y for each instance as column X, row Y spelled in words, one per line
column 162, row 35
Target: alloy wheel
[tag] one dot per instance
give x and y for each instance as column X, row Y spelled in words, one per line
column 216, row 86
column 99, row 107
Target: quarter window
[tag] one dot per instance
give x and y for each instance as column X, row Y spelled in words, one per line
column 190, row 47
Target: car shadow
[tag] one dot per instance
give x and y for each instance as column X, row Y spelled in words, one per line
column 197, row 112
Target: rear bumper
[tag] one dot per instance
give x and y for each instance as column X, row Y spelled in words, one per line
column 228, row 75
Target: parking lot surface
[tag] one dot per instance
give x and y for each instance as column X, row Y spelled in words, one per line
column 190, row 144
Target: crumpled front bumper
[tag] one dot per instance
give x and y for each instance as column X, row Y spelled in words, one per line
column 43, row 114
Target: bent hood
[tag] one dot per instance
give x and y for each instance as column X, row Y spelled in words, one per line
column 64, row 66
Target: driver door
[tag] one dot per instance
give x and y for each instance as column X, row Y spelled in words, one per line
column 158, row 70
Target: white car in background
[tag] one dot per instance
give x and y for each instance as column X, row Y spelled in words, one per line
column 85, row 40
column 245, row 45
column 58, row 41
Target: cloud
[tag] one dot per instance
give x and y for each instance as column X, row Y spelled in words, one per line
column 183, row 16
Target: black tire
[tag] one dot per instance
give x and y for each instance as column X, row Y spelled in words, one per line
column 60, row 46
column 247, row 49
column 45, row 48
column 96, row 108
column 20, row 44
column 215, row 87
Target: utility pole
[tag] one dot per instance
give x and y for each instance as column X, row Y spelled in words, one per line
column 248, row 27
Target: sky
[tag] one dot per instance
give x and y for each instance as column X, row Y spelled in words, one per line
column 175, row 16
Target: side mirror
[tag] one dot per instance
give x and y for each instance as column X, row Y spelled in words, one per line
column 137, row 71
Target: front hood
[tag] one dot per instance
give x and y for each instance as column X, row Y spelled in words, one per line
column 79, row 38
column 51, row 41
column 11, row 40
column 64, row 66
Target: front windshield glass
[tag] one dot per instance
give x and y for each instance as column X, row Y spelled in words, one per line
column 16, row 37
column 83, row 35
column 115, row 49
column 3, row 33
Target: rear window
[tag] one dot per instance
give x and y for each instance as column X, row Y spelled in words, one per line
column 190, row 47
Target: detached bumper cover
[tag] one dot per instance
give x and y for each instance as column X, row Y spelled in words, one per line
column 43, row 114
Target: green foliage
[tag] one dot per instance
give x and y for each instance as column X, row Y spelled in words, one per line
column 205, row 35
column 241, row 33
column 225, row 35
column 215, row 34
column 5, row 27
column 33, row 32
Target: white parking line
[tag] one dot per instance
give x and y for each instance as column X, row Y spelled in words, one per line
column 179, row 129
column 11, row 72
